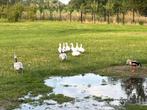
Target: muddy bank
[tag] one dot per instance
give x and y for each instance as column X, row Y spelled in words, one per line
column 124, row 70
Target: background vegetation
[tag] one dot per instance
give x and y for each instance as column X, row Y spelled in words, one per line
column 110, row 11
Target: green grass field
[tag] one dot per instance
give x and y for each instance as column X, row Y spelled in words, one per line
column 36, row 43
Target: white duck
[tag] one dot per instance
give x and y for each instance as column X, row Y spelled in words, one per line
column 18, row 66
column 63, row 48
column 59, row 48
column 77, row 47
column 67, row 48
column 74, row 51
column 62, row 56
column 72, row 47
column 81, row 49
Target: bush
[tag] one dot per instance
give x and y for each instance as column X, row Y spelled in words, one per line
column 31, row 12
column 141, row 22
column 14, row 12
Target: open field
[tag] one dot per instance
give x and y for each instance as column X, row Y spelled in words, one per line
column 36, row 45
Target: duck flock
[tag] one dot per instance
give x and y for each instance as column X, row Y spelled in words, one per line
column 65, row 48
column 62, row 49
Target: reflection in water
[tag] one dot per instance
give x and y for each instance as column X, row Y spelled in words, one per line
column 94, row 92
column 130, row 90
column 135, row 89
column 88, row 85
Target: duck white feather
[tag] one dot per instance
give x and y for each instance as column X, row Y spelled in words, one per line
column 18, row 66
column 72, row 47
column 81, row 49
column 59, row 48
column 62, row 56
column 74, row 51
column 63, row 48
column 77, row 46
column 67, row 48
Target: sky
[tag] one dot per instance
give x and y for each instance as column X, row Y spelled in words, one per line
column 65, row 1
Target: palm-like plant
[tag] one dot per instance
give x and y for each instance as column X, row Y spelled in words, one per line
column 124, row 9
column 109, row 9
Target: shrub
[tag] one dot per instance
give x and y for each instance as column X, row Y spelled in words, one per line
column 14, row 12
column 31, row 12
column 141, row 22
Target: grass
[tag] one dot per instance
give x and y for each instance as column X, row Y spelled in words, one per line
column 36, row 43
column 135, row 107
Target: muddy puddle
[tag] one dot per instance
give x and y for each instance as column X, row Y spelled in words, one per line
column 91, row 92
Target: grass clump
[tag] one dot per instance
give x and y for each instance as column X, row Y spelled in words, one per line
column 60, row 98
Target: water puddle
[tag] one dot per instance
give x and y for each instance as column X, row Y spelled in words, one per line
column 91, row 92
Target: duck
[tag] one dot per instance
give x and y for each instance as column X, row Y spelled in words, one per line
column 81, row 49
column 67, row 48
column 18, row 66
column 74, row 51
column 134, row 64
column 59, row 48
column 72, row 47
column 63, row 48
column 77, row 47
column 62, row 56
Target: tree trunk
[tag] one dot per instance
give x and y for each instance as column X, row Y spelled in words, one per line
column 117, row 19
column 0, row 15
column 43, row 17
column 133, row 16
column 81, row 17
column 123, row 18
column 51, row 16
column 60, row 16
column 105, row 15
column 70, row 16
column 94, row 17
column 108, row 20
column 40, row 15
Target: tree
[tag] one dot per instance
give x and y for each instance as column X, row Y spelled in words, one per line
column 94, row 6
column 79, row 5
column 133, row 5
column 60, row 9
column 70, row 8
column 109, row 9
column 51, row 7
column 117, row 9
column 31, row 11
column 124, row 9
column 15, row 12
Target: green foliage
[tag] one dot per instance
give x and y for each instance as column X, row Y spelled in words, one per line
column 60, row 98
column 31, row 12
column 97, row 8
column 14, row 12
column 136, row 107
column 3, row 11
column 141, row 22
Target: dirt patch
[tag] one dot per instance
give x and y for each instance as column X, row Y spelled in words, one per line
column 124, row 70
